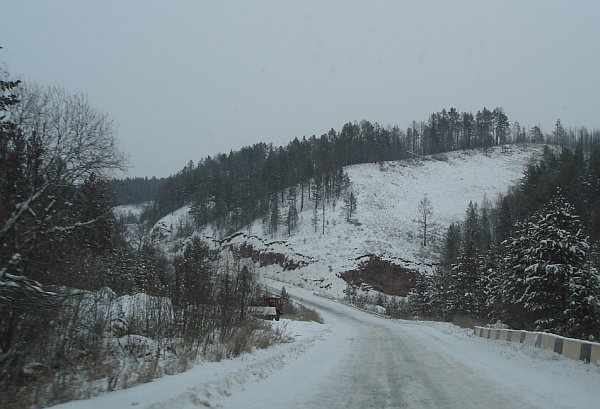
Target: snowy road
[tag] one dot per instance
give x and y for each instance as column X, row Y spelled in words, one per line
column 358, row 360
column 386, row 367
column 373, row 362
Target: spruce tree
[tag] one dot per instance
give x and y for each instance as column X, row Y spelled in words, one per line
column 504, row 221
column 292, row 211
column 582, row 315
column 452, row 245
column 544, row 271
column 418, row 299
column 465, row 281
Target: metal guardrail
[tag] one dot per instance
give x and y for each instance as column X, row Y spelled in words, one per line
column 569, row 347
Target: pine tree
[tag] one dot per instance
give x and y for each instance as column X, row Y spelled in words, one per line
column 274, row 216
column 483, row 126
column 504, row 225
column 501, row 126
column 350, row 203
column 490, row 295
column 544, row 270
column 452, row 245
column 441, row 298
column 292, row 211
column 559, row 134
column 486, row 231
column 513, row 281
column 536, row 135
column 561, row 249
column 464, row 287
column 582, row 315
column 418, row 298
column 472, row 225
column 285, row 298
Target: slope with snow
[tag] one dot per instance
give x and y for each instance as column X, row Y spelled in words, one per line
column 386, row 219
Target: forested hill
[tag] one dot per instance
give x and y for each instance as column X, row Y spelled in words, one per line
column 233, row 190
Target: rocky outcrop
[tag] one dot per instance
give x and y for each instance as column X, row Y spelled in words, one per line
column 382, row 275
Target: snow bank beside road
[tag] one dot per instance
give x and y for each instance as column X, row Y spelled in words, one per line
column 533, row 376
column 208, row 383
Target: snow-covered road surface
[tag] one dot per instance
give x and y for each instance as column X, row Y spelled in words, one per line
column 387, row 367
column 372, row 362
column 358, row 360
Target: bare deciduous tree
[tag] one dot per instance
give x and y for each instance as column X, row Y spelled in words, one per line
column 425, row 211
column 54, row 142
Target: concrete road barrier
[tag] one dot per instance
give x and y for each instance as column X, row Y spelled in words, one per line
column 569, row 347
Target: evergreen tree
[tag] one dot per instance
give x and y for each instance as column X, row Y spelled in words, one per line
column 472, row 227
column 490, row 294
column 536, row 135
column 484, row 125
column 582, row 315
column 292, row 211
column 350, row 203
column 468, row 126
column 486, row 239
column 544, row 267
column 501, row 126
column 441, row 297
column 418, row 298
column 285, row 298
column 274, row 218
column 559, row 134
column 464, row 287
column 452, row 245
column 504, row 225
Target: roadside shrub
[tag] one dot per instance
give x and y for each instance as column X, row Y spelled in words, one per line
column 298, row 312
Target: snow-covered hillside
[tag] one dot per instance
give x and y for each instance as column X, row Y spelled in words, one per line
column 386, row 220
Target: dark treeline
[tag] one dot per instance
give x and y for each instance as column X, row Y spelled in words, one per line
column 235, row 189
column 532, row 259
column 134, row 190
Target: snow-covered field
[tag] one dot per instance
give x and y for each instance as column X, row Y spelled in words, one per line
column 358, row 360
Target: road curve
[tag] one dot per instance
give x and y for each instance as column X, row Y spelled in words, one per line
column 385, row 367
column 373, row 362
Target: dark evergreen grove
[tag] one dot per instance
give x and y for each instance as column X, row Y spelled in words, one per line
column 532, row 260
column 134, row 190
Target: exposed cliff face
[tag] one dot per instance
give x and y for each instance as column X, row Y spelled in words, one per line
column 382, row 275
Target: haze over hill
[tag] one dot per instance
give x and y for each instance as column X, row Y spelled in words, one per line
column 386, row 221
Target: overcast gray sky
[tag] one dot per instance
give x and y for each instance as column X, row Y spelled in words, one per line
column 186, row 79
